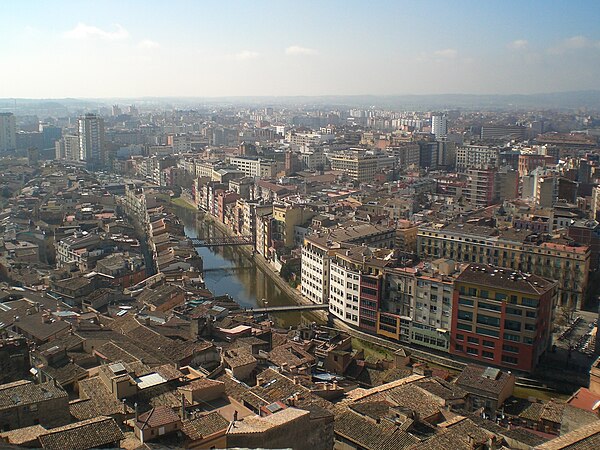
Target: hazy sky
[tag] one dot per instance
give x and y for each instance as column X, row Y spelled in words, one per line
column 54, row 49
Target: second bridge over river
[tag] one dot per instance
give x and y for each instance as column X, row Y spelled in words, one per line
column 288, row 308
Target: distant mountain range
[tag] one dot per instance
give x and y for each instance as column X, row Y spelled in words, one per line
column 557, row 100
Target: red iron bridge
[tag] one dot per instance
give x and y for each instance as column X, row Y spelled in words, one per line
column 225, row 241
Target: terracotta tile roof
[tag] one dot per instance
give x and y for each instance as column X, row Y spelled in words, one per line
column 24, row 392
column 258, row 424
column 360, row 394
column 66, row 374
column 369, row 434
column 442, row 389
column 156, row 344
column 34, row 326
column 449, row 439
column 157, row 417
column 416, row 399
column 238, row 357
column 96, row 400
column 473, row 378
column 585, row 438
column 291, row 354
column 92, row 433
column 277, row 387
column 200, row 383
column 115, row 352
column 23, row 436
column 373, row 409
column 200, row 427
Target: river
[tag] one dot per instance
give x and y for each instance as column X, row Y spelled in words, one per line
column 228, row 270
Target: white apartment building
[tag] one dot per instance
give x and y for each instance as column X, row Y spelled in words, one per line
column 255, row 167
column 344, row 292
column 8, row 132
column 301, row 139
column 476, row 157
column 406, row 154
column 360, row 167
column 439, row 125
column 91, row 138
column 315, row 269
column 67, row 147
column 312, row 158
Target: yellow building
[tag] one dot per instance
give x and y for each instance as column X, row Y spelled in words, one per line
column 286, row 218
column 516, row 249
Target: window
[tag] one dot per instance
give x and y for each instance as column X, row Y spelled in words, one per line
column 458, row 347
column 512, row 337
column 513, row 311
column 490, row 344
column 510, row 359
column 528, row 340
column 465, row 315
column 464, row 326
column 500, row 296
column 510, row 348
column 488, row 320
column 488, row 355
column 530, row 326
column 460, row 337
column 472, row 351
column 489, row 306
column 530, row 314
column 513, row 299
column 512, row 325
column 487, row 332
column 472, row 340
column 466, row 302
column 472, row 292
column 532, row 302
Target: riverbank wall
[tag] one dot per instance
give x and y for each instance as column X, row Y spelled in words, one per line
column 262, row 263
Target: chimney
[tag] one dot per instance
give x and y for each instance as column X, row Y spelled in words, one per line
column 182, row 407
column 135, row 406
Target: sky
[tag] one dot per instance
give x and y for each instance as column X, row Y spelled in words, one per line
column 176, row 48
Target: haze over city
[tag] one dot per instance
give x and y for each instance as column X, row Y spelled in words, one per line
column 309, row 225
column 238, row 48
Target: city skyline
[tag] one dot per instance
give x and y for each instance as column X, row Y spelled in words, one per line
column 155, row 49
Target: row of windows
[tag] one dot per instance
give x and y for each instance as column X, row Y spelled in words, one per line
column 422, row 338
column 486, row 354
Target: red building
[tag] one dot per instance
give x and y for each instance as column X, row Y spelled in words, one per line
column 501, row 317
column 370, row 296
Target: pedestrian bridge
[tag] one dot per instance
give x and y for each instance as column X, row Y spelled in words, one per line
column 288, row 308
column 224, row 241
column 227, row 269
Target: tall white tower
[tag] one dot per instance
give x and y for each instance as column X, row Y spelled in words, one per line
column 91, row 139
column 439, row 125
column 8, row 132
